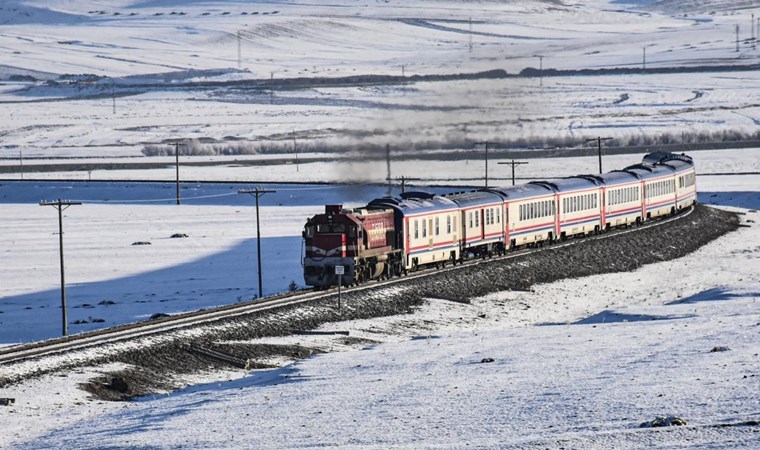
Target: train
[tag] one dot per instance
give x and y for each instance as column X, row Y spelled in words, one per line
column 392, row 236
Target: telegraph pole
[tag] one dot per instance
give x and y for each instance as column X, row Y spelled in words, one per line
column 176, row 163
column 540, row 69
column 599, row 146
column 61, row 206
column 256, row 192
column 239, row 51
column 644, row 60
column 295, row 148
column 514, row 164
column 486, row 145
column 737, row 38
column 388, row 168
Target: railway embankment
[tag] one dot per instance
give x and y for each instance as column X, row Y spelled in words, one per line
column 160, row 363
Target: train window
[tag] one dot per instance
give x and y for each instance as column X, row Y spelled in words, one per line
column 424, row 228
column 448, row 224
column 308, row 231
column 437, row 229
column 498, row 215
column 477, row 218
column 454, row 228
column 416, row 229
column 469, row 217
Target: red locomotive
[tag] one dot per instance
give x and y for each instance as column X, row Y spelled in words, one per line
column 362, row 240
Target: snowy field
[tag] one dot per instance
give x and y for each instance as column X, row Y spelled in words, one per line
column 110, row 77
column 110, row 279
column 579, row 363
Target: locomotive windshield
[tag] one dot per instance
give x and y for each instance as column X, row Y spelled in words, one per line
column 331, row 228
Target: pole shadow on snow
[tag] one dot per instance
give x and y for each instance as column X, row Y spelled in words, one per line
column 738, row 199
column 218, row 279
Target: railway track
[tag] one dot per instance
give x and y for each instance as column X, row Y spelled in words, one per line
column 26, row 352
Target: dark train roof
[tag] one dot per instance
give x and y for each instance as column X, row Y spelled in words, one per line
column 415, row 202
column 665, row 157
column 475, row 198
column 646, row 171
column 522, row 191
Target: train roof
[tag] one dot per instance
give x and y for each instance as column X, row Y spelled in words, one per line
column 415, row 202
column 570, row 184
column 475, row 198
column 666, row 157
column 617, row 177
column 522, row 191
column 646, row 171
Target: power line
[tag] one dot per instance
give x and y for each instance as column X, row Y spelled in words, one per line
column 256, row 192
column 61, row 206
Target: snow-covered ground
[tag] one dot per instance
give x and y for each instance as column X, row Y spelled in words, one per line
column 216, row 263
column 576, row 364
column 164, row 70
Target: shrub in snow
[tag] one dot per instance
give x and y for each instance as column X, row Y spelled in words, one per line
column 719, row 349
column 487, row 360
column 661, row 421
column 179, row 235
column 141, row 243
column 119, row 385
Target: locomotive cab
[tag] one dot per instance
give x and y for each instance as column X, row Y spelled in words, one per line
column 360, row 240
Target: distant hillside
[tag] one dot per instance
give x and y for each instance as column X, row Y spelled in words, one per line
column 703, row 6
column 18, row 12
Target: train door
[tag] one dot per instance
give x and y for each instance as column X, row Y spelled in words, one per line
column 482, row 223
column 643, row 200
column 557, row 216
column 430, row 233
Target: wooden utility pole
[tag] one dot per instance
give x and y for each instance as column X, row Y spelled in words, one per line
column 256, row 192
column 599, row 146
column 388, row 168
column 61, row 206
column 514, row 164
column 176, row 156
column 485, row 143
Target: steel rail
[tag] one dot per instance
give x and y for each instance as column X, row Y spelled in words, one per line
column 22, row 352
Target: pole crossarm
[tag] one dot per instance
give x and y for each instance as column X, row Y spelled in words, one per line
column 598, row 141
column 61, row 206
column 256, row 192
column 514, row 164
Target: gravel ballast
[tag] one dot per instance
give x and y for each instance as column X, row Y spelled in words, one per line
column 157, row 361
